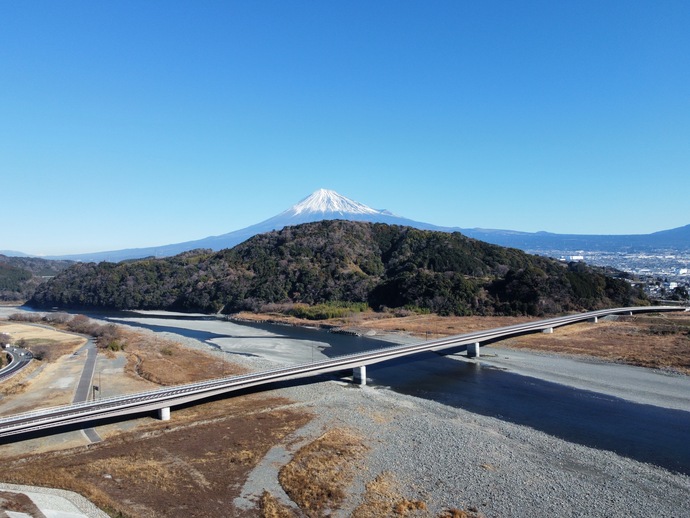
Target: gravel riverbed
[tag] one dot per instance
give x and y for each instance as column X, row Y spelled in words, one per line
column 450, row 458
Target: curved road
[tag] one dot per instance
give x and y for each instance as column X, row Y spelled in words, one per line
column 167, row 397
column 20, row 359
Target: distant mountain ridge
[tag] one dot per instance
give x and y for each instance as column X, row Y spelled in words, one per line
column 13, row 253
column 326, row 204
column 323, row 204
column 676, row 238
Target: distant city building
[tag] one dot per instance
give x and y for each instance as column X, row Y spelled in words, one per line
column 654, row 270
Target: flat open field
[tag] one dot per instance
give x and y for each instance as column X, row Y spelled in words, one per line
column 41, row 383
column 43, row 339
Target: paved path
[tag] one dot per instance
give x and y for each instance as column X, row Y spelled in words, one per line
column 55, row 503
column 83, row 392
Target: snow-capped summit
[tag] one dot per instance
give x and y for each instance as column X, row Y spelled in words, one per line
column 326, row 201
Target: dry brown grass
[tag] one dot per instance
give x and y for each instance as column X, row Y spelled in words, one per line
column 271, row 508
column 194, row 465
column 18, row 383
column 380, row 496
column 149, row 357
column 41, row 339
column 405, row 507
column 13, row 387
column 51, row 350
column 383, row 498
column 168, row 363
column 319, row 473
column 661, row 342
column 423, row 326
column 63, row 478
column 147, row 467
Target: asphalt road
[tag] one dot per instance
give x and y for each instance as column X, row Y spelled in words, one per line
column 19, row 361
column 84, row 387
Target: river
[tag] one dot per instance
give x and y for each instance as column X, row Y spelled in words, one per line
column 644, row 432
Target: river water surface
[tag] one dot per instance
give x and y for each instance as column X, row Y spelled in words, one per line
column 647, row 433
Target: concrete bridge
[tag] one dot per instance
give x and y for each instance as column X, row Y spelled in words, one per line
column 162, row 400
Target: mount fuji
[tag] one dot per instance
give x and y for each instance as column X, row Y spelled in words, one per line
column 323, row 204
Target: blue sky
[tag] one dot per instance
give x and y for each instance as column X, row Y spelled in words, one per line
column 141, row 123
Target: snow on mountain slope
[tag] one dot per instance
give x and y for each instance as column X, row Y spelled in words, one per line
column 325, row 201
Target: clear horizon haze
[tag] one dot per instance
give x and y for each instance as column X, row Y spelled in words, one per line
column 130, row 124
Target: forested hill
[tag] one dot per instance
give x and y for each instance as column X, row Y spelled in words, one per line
column 342, row 261
column 19, row 276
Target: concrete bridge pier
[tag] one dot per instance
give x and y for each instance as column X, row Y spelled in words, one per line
column 594, row 320
column 473, row 350
column 548, row 330
column 164, row 414
column 359, row 375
